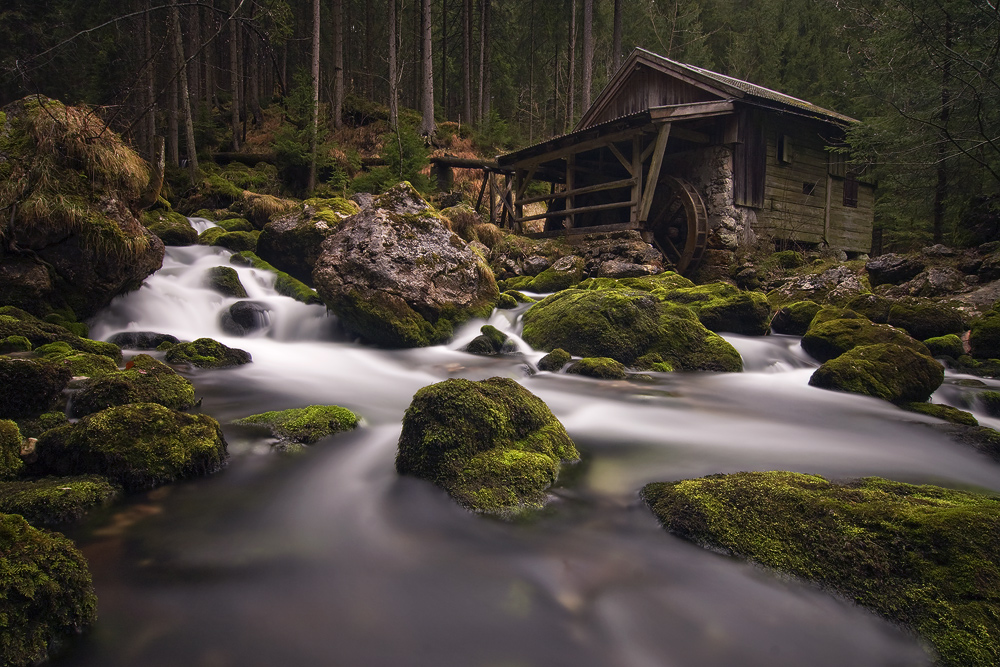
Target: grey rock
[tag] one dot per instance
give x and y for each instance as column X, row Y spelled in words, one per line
column 535, row 264
column 245, row 317
column 141, row 340
column 893, row 269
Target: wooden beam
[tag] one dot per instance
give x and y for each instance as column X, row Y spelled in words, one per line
column 580, row 231
column 610, row 185
column 691, row 110
column 463, row 162
column 570, row 185
column 586, row 145
column 574, row 211
column 654, row 172
column 826, row 211
column 621, row 158
column 637, row 160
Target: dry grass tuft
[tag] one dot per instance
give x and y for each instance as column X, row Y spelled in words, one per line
column 259, row 209
column 488, row 234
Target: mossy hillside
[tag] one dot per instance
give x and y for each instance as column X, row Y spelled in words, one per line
column 172, row 228
column 794, row 319
column 830, row 339
column 888, row 371
column 940, row 411
column 945, row 346
column 207, row 353
column 56, row 501
column 284, row 284
column 137, row 446
column 16, row 322
column 10, row 449
column 79, row 363
column 554, row 360
column 923, row 556
column 602, row 368
column 492, row 445
column 28, row 387
column 144, row 380
column 724, row 307
column 304, row 425
column 46, row 593
column 225, row 281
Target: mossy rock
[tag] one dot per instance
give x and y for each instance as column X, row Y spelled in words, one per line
column 16, row 322
column 554, row 360
column 830, row 313
column 80, row 364
column 602, row 368
column 21, row 344
column 505, row 302
column 137, row 446
column 491, row 342
column 332, row 210
column 56, row 501
column 284, row 284
column 492, row 445
column 237, row 241
column 144, row 380
column 832, row 338
column 35, row 426
column 28, row 387
column 304, row 425
column 46, row 593
column 172, row 228
column 945, row 412
column 945, row 346
column 724, row 307
column 657, row 285
column 794, row 319
column 786, row 259
column 225, row 281
column 10, row 449
column 210, row 235
column 518, row 297
column 922, row 556
column 564, row 273
column 926, row 319
column 984, row 337
column 207, row 353
column 876, row 308
column 885, row 370
column 236, row 225
column 990, row 401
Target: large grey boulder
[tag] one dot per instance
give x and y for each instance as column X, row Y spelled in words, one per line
column 892, row 268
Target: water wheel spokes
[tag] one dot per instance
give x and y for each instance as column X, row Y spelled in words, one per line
column 678, row 223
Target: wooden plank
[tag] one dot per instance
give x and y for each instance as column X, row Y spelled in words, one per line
column 693, row 110
column 637, row 162
column 585, row 145
column 463, row 163
column 621, row 158
column 570, row 185
column 654, row 171
column 582, row 209
column 826, row 209
column 611, row 185
column 582, row 231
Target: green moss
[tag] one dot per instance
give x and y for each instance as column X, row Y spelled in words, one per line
column 144, row 380
column 874, row 307
column 207, row 353
column 661, row 282
column 984, row 337
column 554, row 360
column 603, row 368
column 828, row 340
column 237, row 241
column 32, row 428
column 990, row 401
column 505, row 302
column 923, row 556
column 925, row 319
column 830, row 313
column 945, row 346
column 516, row 283
column 284, row 284
column 28, row 387
column 561, row 275
column 210, row 235
column 794, row 318
column 520, row 298
column 56, row 501
column 786, row 259
column 492, row 445
column 46, row 593
column 225, row 281
column 10, row 449
column 22, row 344
column 172, row 228
column 945, row 412
column 885, row 370
column 219, row 189
column 333, row 209
column 79, row 363
column 724, row 307
column 304, row 425
column 16, row 322
column 491, row 342
column 236, row 225
column 137, row 446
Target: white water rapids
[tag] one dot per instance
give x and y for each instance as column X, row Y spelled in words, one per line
column 330, row 558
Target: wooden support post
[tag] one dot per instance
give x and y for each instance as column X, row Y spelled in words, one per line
column 520, row 181
column 621, row 158
column 570, row 184
column 482, row 191
column 826, row 211
column 654, row 172
column 493, row 198
column 637, row 175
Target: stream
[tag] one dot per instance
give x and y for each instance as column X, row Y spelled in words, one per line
column 330, row 558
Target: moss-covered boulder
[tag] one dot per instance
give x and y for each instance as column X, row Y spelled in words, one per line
column 945, row 346
column 69, row 187
column 724, row 307
column 236, row 225
column 80, row 364
column 284, row 284
column 225, row 281
column 886, row 370
column 491, row 342
column 46, row 593
column 794, row 318
column 10, row 449
column 172, row 228
column 829, row 339
column 21, row 344
column 602, row 368
column 28, row 387
column 505, row 302
column 56, row 501
column 141, row 340
column 630, row 326
column 207, row 353
column 926, row 319
column 922, row 556
column 17, row 322
column 235, row 241
column 941, row 411
column 304, row 425
column 492, row 445
column 554, row 360
column 137, row 446
column 984, row 337
column 564, row 273
column 990, row 402
column 396, row 275
column 293, row 242
column 144, row 380
column 35, row 426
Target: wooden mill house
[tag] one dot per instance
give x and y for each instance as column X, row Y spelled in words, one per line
column 699, row 162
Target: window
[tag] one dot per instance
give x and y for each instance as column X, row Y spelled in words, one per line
column 808, row 188
column 784, row 149
column 851, row 190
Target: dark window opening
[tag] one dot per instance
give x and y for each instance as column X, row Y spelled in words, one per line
column 808, row 188
column 851, row 190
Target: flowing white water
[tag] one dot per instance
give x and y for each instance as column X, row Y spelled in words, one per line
column 330, row 558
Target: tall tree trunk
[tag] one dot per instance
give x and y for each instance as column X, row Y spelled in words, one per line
column 234, row 74
column 427, row 93
column 173, row 142
column 571, row 51
column 209, row 60
column 555, row 89
column 369, row 53
column 616, row 38
column 531, row 73
column 393, row 68
column 941, row 188
column 338, row 63
column 467, row 61
column 314, row 128
column 484, row 33
column 588, row 52
column 150, row 85
column 444, row 57
column 252, row 51
column 182, row 83
column 194, row 47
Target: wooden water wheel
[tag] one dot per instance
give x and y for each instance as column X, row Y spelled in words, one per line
column 677, row 223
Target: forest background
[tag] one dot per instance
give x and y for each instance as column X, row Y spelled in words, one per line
column 324, row 86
